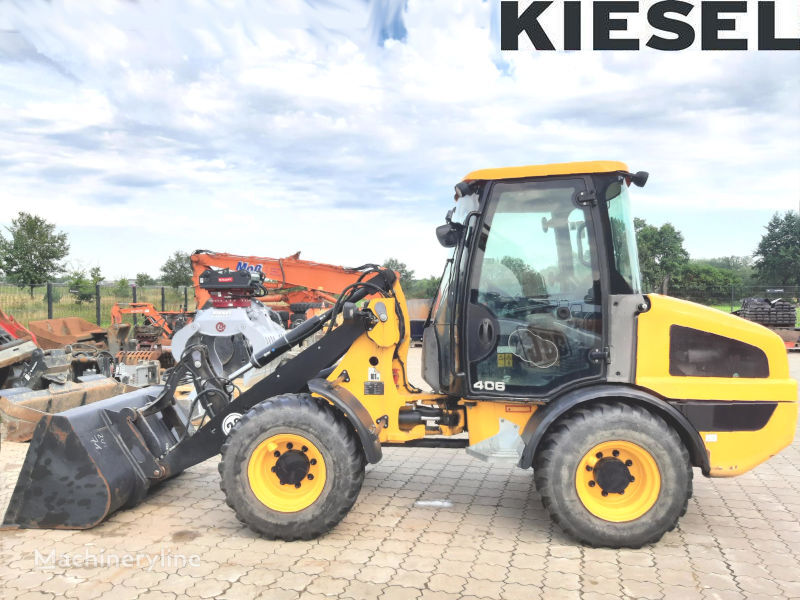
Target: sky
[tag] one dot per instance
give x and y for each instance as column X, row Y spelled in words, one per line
column 339, row 127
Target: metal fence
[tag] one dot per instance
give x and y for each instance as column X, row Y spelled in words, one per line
column 54, row 300
column 730, row 297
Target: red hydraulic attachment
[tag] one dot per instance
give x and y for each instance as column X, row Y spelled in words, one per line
column 232, row 289
column 14, row 328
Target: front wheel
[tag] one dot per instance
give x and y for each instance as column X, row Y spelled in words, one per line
column 614, row 474
column 291, row 468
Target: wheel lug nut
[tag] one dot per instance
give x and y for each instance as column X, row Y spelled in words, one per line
column 310, row 476
column 621, row 492
column 605, row 493
column 592, row 484
column 313, row 461
column 599, row 455
column 615, row 453
column 628, row 463
column 632, row 478
column 297, row 485
column 276, row 454
column 588, row 467
column 272, row 469
column 304, row 448
column 290, row 445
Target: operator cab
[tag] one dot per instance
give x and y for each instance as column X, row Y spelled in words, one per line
column 521, row 308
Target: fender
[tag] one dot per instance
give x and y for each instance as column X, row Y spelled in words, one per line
column 354, row 412
column 543, row 418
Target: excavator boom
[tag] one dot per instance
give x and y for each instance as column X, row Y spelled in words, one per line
column 280, row 273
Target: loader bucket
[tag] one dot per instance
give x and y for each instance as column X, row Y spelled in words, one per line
column 22, row 408
column 87, row 462
column 52, row 334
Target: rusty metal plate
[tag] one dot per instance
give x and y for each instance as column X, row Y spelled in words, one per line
column 22, row 408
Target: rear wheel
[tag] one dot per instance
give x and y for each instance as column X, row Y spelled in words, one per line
column 614, row 475
column 291, row 468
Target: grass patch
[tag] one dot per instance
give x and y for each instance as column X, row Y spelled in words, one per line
column 25, row 306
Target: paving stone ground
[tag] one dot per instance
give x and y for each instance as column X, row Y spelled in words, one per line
column 739, row 539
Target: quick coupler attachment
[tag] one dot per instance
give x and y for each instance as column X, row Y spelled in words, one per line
column 87, row 462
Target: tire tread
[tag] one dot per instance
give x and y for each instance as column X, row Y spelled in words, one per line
column 327, row 415
column 563, row 430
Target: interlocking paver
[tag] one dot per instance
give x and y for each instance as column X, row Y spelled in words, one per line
column 328, row 586
column 676, row 592
column 375, row 574
column 641, row 589
column 359, row 590
column 739, row 539
column 242, row 591
column 483, row 588
column 600, row 585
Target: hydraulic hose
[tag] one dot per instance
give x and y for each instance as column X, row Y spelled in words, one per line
column 383, row 280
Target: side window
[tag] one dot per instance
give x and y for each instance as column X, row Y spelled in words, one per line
column 625, row 275
column 695, row 353
column 534, row 311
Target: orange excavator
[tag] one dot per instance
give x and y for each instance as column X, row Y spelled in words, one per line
column 296, row 287
column 153, row 338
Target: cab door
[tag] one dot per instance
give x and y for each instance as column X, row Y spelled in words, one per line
column 534, row 314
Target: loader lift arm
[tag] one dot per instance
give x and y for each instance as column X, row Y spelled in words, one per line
column 118, row 451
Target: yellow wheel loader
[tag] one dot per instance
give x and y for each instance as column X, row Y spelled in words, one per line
column 540, row 345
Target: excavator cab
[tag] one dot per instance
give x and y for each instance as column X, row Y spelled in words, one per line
column 521, row 310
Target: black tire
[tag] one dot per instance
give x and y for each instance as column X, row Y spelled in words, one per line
column 569, row 440
column 318, row 422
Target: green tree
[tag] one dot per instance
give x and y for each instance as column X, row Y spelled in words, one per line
column 778, row 253
column 81, row 285
column 122, row 289
column 177, row 271
column 96, row 275
column 406, row 274
column 144, row 279
column 422, row 288
column 741, row 266
column 34, row 253
column 661, row 254
column 704, row 283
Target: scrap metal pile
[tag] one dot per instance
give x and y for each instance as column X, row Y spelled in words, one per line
column 39, row 376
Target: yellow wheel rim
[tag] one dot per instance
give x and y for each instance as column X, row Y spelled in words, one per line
column 286, row 472
column 618, row 481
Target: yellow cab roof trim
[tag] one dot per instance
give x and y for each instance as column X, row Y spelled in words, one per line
column 572, row 168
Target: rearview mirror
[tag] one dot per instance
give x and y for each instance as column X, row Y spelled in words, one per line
column 448, row 234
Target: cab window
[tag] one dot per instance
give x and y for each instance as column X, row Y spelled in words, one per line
column 534, row 299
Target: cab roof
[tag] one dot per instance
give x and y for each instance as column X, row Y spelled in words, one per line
column 572, row 168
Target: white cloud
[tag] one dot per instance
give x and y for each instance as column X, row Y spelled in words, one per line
column 339, row 128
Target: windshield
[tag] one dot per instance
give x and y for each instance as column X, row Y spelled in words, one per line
column 623, row 236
